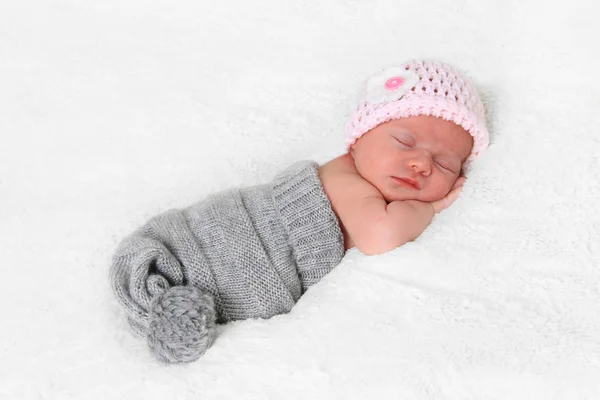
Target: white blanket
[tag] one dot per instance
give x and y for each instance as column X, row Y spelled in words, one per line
column 113, row 111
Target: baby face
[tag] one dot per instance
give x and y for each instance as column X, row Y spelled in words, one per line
column 415, row 158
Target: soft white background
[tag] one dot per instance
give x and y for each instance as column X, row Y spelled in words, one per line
column 113, row 111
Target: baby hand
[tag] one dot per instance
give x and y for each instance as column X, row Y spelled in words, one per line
column 451, row 197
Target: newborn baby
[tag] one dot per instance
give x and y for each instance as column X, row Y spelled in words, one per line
column 252, row 252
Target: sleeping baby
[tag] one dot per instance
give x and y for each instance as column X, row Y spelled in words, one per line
column 252, row 252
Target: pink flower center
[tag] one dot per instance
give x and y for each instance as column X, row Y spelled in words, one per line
column 394, row 83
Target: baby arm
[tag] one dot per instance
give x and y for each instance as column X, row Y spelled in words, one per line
column 377, row 227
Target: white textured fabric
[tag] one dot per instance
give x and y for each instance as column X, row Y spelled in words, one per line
column 114, row 111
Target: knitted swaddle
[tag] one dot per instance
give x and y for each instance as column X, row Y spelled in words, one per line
column 243, row 253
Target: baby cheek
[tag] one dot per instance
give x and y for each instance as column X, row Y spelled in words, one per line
column 439, row 187
column 368, row 166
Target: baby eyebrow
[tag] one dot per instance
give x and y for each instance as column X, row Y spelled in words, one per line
column 454, row 161
column 404, row 132
column 443, row 151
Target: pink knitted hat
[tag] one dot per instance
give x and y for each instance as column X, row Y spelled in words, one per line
column 421, row 88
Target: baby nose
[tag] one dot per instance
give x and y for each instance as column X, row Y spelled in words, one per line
column 421, row 162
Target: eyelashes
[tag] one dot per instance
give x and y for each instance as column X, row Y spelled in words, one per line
column 404, row 142
column 444, row 166
column 447, row 166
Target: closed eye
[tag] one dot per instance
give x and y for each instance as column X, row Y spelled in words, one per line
column 403, row 142
column 444, row 165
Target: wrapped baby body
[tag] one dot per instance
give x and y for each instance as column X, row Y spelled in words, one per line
column 243, row 253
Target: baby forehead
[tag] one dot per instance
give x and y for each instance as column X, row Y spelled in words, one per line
column 432, row 127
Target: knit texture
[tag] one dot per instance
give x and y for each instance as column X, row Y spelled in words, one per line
column 421, row 88
column 253, row 250
column 181, row 325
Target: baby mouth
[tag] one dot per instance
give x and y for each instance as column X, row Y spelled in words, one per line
column 407, row 182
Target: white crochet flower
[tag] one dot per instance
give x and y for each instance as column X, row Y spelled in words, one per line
column 390, row 85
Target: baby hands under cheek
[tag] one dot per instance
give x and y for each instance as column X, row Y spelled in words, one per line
column 451, row 197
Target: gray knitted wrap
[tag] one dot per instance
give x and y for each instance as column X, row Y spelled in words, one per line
column 243, row 253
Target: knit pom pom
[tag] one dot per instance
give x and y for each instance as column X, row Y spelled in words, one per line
column 181, row 324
